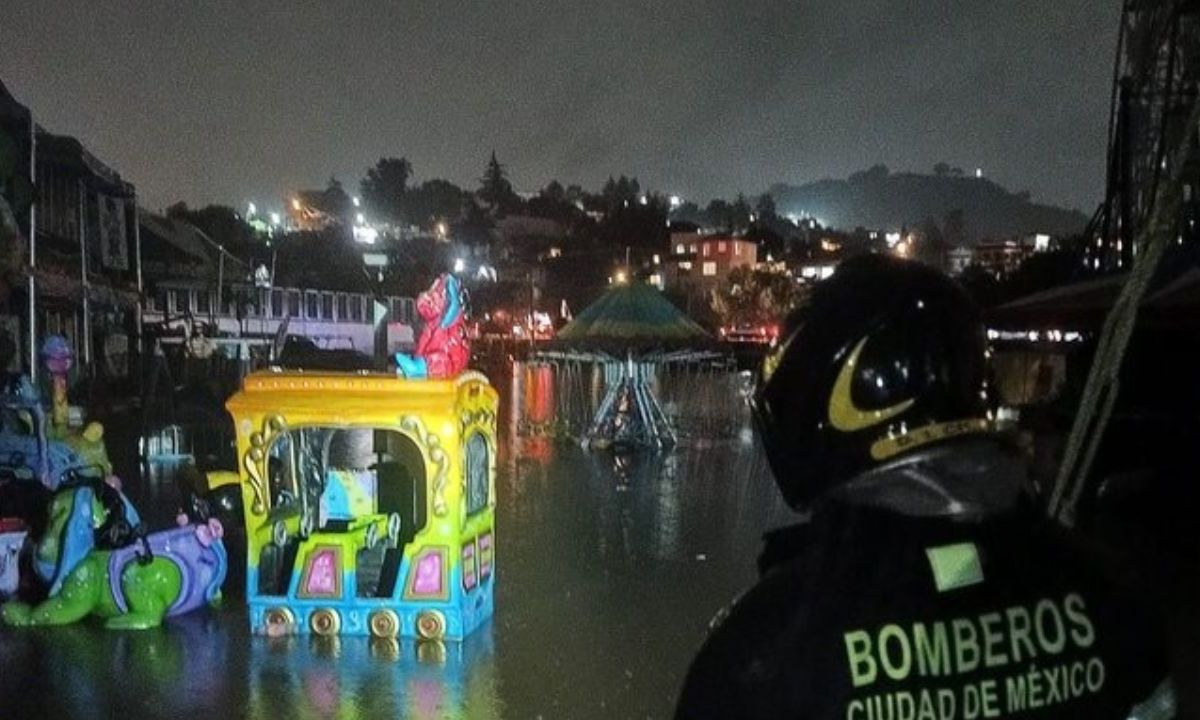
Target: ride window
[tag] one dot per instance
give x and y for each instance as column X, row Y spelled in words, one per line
column 336, row 475
column 476, row 469
column 326, row 306
column 312, row 305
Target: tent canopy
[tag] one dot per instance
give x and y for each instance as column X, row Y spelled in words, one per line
column 1085, row 305
column 632, row 317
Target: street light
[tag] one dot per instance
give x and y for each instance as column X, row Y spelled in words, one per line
column 275, row 219
column 459, row 265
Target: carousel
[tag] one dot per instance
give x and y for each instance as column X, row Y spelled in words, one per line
column 631, row 336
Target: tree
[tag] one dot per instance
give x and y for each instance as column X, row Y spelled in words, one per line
column 223, row 225
column 755, row 297
column 719, row 214
column 620, row 193
column 494, row 188
column 954, row 228
column 384, row 187
column 941, row 169
column 433, row 201
column 931, row 244
column 739, row 214
column 764, row 210
column 554, row 192
column 981, row 285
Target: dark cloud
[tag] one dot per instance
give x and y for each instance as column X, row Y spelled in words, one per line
column 225, row 101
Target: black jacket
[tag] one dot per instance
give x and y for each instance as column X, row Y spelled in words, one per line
column 868, row 614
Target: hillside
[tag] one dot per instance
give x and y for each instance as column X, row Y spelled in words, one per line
column 877, row 198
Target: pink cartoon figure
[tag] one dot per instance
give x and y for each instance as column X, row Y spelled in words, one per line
column 442, row 349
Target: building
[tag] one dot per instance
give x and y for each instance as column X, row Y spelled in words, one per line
column 959, row 259
column 702, row 262
column 191, row 280
column 85, row 239
column 1002, row 257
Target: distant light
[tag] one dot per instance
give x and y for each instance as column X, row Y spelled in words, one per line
column 441, row 229
column 275, row 219
column 657, row 259
column 361, row 219
column 356, row 202
column 770, row 258
column 892, row 238
column 251, row 210
column 459, row 265
column 365, row 234
column 621, row 276
column 295, row 203
column 644, row 200
column 676, row 201
column 978, row 172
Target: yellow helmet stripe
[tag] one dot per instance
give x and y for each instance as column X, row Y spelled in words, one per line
column 843, row 413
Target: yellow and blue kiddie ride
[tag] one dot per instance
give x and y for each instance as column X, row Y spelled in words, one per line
column 369, row 497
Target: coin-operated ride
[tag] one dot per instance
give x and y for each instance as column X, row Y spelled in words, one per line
column 369, row 499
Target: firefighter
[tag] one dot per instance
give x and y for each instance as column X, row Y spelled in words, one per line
column 924, row 585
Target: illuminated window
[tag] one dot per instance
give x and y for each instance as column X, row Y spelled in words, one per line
column 693, row 247
column 707, row 247
column 685, row 265
column 721, row 247
column 680, row 249
column 710, row 268
column 737, row 248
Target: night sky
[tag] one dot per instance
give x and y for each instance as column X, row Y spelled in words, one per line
column 226, row 102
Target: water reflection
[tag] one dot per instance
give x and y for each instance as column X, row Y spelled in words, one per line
column 369, row 678
column 609, row 568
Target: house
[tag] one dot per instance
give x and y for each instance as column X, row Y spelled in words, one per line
column 87, row 273
column 697, row 262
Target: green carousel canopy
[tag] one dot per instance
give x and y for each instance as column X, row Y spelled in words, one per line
column 631, row 317
column 633, row 331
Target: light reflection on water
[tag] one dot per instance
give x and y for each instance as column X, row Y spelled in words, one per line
column 608, row 569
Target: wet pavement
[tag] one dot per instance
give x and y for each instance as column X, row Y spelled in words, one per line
column 608, row 572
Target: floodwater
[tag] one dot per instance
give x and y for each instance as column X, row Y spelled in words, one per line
column 608, row 572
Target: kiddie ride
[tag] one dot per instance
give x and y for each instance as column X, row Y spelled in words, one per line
column 90, row 553
column 369, row 497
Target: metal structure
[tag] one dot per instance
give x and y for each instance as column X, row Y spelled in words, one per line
column 1155, row 81
column 633, row 333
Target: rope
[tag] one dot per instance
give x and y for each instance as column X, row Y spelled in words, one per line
column 1103, row 383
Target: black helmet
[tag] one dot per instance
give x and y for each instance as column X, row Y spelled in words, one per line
column 884, row 357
